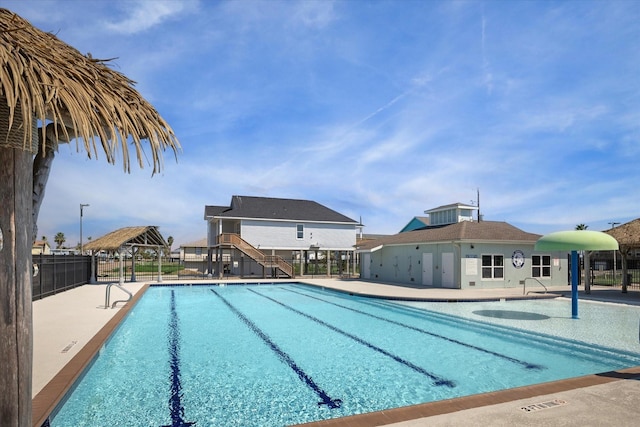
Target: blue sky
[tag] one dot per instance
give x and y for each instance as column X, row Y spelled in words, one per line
column 376, row 109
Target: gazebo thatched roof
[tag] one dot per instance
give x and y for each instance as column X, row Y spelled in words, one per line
column 628, row 234
column 43, row 78
column 142, row 236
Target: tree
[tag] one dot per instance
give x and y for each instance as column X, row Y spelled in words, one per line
column 59, row 239
column 169, row 244
column 45, row 80
column 581, row 227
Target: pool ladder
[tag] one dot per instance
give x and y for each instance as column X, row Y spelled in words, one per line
column 107, row 297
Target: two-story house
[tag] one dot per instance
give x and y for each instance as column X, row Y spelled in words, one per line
column 266, row 236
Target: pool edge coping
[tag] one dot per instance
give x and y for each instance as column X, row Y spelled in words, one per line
column 475, row 401
column 49, row 397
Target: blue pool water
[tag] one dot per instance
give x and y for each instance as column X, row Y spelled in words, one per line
column 275, row 355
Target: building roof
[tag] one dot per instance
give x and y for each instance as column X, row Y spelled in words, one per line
column 415, row 223
column 202, row 243
column 494, row 231
column 279, row 209
column 147, row 236
column 451, row 206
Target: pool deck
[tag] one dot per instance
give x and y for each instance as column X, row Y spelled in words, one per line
column 70, row 327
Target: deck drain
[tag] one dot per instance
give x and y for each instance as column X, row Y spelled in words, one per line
column 67, row 348
column 543, row 405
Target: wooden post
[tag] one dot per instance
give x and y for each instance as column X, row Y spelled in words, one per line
column 16, row 346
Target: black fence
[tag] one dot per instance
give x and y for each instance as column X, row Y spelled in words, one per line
column 603, row 272
column 57, row 273
column 108, row 270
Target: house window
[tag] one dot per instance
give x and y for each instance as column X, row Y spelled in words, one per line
column 198, row 251
column 493, row 267
column 300, row 231
column 541, row 266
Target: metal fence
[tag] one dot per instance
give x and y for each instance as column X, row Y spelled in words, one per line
column 57, row 273
column 603, row 272
column 108, row 270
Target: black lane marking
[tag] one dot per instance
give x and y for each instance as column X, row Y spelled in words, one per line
column 527, row 365
column 324, row 397
column 175, row 401
column 437, row 380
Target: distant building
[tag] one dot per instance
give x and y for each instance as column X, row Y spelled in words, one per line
column 193, row 256
column 40, row 247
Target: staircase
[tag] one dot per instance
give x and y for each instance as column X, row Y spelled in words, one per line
column 268, row 261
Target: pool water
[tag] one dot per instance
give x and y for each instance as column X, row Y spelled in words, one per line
column 275, row 355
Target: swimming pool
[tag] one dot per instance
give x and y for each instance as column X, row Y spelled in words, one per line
column 286, row 354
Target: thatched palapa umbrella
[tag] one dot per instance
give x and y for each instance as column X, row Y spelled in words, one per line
column 628, row 235
column 45, row 82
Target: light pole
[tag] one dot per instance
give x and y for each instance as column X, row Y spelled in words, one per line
column 613, row 225
column 82, row 205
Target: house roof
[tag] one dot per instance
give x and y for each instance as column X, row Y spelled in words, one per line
column 147, row 236
column 280, row 209
column 497, row 231
column 202, row 243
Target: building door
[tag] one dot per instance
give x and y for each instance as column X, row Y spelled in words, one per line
column 427, row 269
column 447, row 270
column 366, row 266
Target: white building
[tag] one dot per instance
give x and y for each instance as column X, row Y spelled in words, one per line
column 456, row 252
column 256, row 234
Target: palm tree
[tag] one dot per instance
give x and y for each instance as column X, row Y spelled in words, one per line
column 45, row 80
column 581, row 227
column 169, row 244
column 59, row 239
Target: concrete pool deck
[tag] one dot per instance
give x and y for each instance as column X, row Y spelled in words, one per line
column 70, row 327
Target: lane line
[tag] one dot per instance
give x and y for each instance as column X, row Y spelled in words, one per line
column 437, row 380
column 526, row 365
column 325, row 399
column 175, row 400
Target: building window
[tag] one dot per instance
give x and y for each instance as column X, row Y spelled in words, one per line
column 541, row 266
column 493, row 267
column 299, row 231
column 198, row 251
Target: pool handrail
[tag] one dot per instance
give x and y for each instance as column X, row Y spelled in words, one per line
column 524, row 285
column 107, row 296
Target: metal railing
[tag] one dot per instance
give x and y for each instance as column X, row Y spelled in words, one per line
column 524, row 285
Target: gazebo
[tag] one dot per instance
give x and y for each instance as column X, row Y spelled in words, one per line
column 628, row 236
column 128, row 238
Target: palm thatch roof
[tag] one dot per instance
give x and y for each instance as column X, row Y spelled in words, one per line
column 143, row 236
column 43, row 78
column 627, row 235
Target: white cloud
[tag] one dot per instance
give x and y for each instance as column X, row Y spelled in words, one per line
column 142, row 15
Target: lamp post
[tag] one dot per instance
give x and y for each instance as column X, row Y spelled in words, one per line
column 613, row 225
column 82, row 205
